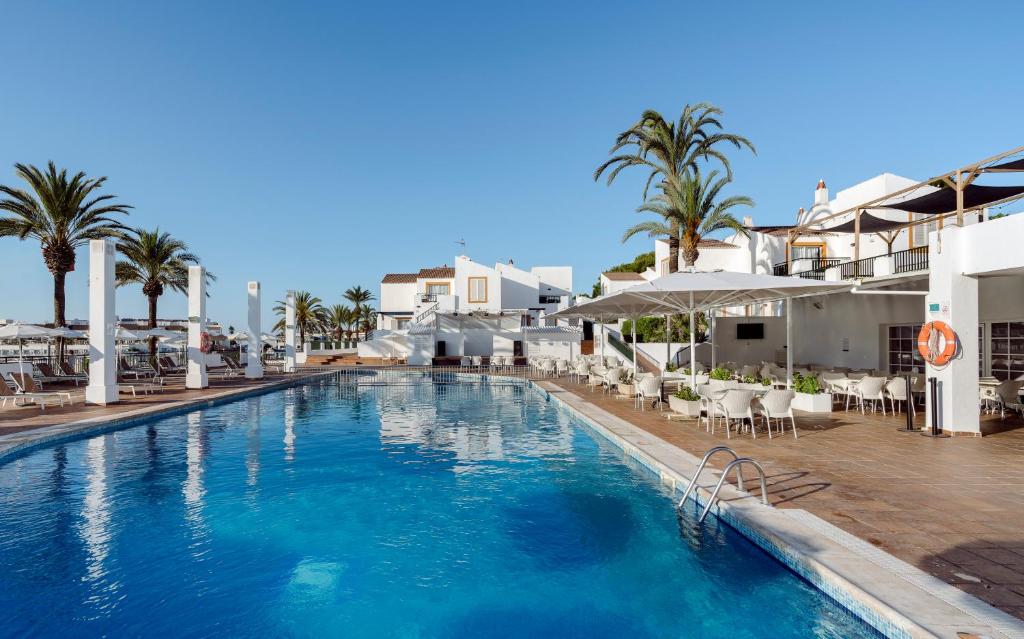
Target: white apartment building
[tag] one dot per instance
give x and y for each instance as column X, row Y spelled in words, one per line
column 469, row 309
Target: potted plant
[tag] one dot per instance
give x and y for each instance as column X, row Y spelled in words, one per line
column 721, row 374
column 810, row 396
column 685, row 402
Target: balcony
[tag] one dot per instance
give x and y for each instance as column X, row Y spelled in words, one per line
column 910, row 260
column 814, row 268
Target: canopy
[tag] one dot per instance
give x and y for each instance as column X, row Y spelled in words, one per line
column 868, row 224
column 238, row 337
column 944, row 200
column 692, row 291
column 1007, row 167
column 67, row 333
column 159, row 332
column 122, row 334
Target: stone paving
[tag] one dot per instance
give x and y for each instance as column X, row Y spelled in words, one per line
column 952, row 507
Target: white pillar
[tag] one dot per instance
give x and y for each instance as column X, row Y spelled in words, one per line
column 253, row 362
column 604, row 334
column 289, row 332
column 195, row 375
column 953, row 299
column 789, row 342
column 633, row 324
column 668, row 340
column 693, row 348
column 711, row 325
column 102, row 388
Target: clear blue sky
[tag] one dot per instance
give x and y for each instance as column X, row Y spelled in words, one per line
column 317, row 146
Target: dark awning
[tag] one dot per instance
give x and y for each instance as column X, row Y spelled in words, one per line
column 868, row 224
column 944, row 200
column 1007, row 167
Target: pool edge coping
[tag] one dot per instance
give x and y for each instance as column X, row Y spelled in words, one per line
column 893, row 596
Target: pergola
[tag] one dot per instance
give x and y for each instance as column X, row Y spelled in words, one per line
column 956, row 195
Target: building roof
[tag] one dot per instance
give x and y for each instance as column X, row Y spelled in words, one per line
column 446, row 272
column 563, row 331
column 712, row 243
column 617, row 276
column 399, row 278
column 783, row 229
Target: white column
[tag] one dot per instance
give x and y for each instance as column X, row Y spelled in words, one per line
column 289, row 332
column 668, row 340
column 253, row 362
column 633, row 325
column 693, row 348
column 953, row 299
column 604, row 335
column 195, row 376
column 102, row 388
column 789, row 342
column 711, row 325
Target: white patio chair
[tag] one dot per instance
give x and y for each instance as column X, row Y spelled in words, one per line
column 896, row 391
column 612, row 378
column 1008, row 396
column 580, row 370
column 649, row 388
column 748, row 370
column 611, row 361
column 778, row 404
column 870, row 389
column 547, row 368
column 561, row 367
column 735, row 405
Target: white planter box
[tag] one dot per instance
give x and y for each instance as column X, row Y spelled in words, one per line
column 818, row 403
column 683, row 407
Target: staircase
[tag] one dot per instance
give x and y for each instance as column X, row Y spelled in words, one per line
column 347, row 359
column 643, row 362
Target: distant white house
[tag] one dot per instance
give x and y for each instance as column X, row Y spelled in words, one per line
column 469, row 309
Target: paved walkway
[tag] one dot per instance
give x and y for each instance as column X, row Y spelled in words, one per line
column 952, row 507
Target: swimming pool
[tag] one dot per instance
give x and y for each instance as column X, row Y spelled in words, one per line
column 413, row 509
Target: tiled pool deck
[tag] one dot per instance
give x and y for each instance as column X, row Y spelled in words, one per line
column 951, row 507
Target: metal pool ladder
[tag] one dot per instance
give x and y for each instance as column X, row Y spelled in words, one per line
column 737, row 463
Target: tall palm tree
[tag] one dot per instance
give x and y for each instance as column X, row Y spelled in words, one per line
column 671, row 150
column 310, row 315
column 63, row 213
column 358, row 296
column 691, row 211
column 367, row 320
column 340, row 320
column 157, row 261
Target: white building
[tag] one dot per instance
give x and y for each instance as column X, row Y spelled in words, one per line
column 468, row 309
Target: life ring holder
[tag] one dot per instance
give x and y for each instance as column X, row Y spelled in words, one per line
column 928, row 343
column 205, row 343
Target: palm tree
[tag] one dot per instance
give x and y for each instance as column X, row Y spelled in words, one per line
column 358, row 296
column 156, row 261
column 310, row 315
column 63, row 213
column 367, row 320
column 339, row 319
column 671, row 150
column 690, row 212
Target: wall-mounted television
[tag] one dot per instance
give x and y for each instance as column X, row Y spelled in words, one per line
column 752, row 330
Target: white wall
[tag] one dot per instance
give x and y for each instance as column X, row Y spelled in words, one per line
column 466, row 268
column 398, row 297
column 384, row 344
column 539, row 345
column 730, row 349
column 554, row 280
column 519, row 289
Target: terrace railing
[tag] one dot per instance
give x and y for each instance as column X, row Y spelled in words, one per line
column 781, row 269
column 909, row 260
column 818, row 266
column 859, row 268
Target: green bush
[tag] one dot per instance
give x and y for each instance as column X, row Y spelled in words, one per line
column 749, row 379
column 808, row 384
column 766, row 382
column 687, row 394
column 721, row 374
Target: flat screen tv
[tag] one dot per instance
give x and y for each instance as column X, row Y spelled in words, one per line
column 750, row 331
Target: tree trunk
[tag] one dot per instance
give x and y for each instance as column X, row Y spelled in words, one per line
column 690, row 252
column 152, row 323
column 58, row 308
column 673, row 253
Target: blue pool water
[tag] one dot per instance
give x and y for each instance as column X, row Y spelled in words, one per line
column 414, row 510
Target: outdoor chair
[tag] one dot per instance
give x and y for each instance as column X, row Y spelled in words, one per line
column 734, row 405
column 749, row 370
column 67, row 372
column 868, row 389
column 7, row 393
column 649, row 388
column 778, row 404
column 612, row 378
column 582, row 369
column 896, row 391
column 1008, row 396
column 561, row 367
column 547, row 368
column 26, row 385
column 127, row 369
column 44, row 373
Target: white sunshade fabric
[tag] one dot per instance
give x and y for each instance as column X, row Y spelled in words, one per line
column 17, row 330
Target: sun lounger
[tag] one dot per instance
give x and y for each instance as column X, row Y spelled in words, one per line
column 67, row 372
column 43, row 374
column 23, row 381
column 127, row 369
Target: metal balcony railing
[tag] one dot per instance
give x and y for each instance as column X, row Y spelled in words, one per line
column 857, row 269
column 818, row 266
column 909, row 260
column 781, row 269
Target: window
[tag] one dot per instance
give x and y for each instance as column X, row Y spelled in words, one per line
column 477, row 290
column 433, row 289
column 402, row 323
column 1007, row 344
column 550, row 299
column 807, row 251
column 903, row 354
column 921, row 231
column 664, row 266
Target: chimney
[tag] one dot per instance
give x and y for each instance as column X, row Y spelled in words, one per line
column 821, row 194
column 748, row 221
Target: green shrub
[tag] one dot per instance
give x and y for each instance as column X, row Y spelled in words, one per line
column 671, row 368
column 687, row 394
column 808, row 384
column 749, row 379
column 766, row 381
column 722, row 374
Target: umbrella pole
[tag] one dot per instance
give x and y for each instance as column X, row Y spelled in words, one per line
column 604, row 338
column 789, row 342
column 634, row 345
column 711, row 321
column 693, row 349
column 668, row 340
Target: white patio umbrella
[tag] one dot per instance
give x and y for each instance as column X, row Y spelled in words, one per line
column 67, row 333
column 21, row 332
column 692, row 291
column 239, row 337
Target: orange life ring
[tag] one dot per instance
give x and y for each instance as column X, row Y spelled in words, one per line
column 205, row 344
column 928, row 343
